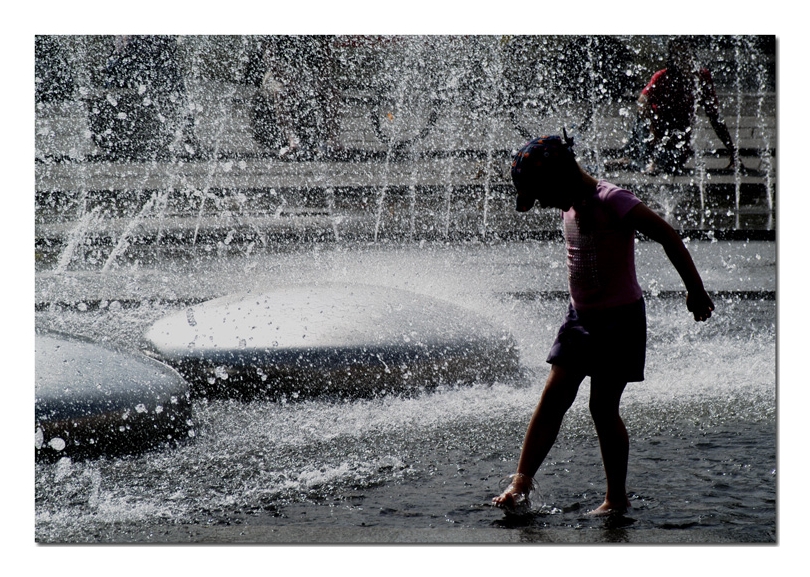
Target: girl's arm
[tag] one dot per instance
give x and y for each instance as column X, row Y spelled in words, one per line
column 648, row 223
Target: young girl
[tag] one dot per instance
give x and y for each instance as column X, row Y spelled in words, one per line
column 604, row 332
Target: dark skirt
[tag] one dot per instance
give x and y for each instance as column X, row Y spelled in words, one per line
column 610, row 343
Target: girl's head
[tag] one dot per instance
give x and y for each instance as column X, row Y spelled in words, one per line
column 544, row 170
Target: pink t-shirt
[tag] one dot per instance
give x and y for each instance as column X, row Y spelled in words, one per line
column 601, row 250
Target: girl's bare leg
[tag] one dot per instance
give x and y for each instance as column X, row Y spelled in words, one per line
column 613, row 442
column 557, row 397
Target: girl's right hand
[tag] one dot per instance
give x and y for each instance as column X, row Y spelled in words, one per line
column 700, row 305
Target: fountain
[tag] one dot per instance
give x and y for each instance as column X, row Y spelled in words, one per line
column 340, row 339
column 432, row 304
column 91, row 398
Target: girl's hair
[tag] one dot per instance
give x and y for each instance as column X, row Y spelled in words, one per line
column 542, row 157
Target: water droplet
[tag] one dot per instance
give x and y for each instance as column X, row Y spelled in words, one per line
column 57, row 443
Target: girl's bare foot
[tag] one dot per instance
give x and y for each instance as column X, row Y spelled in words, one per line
column 515, row 499
column 607, row 508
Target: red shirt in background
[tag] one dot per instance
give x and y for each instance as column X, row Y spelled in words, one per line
column 672, row 98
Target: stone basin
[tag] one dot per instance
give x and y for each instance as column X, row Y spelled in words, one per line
column 91, row 399
column 343, row 339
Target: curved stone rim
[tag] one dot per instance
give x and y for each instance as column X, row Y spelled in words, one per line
column 465, row 347
column 106, row 421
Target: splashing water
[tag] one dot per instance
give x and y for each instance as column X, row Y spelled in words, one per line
column 398, row 461
column 702, row 424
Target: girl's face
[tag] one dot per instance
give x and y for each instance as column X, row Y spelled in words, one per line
column 554, row 192
column 549, row 198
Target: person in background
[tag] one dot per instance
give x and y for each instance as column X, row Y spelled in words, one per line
column 150, row 112
column 299, row 84
column 662, row 136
